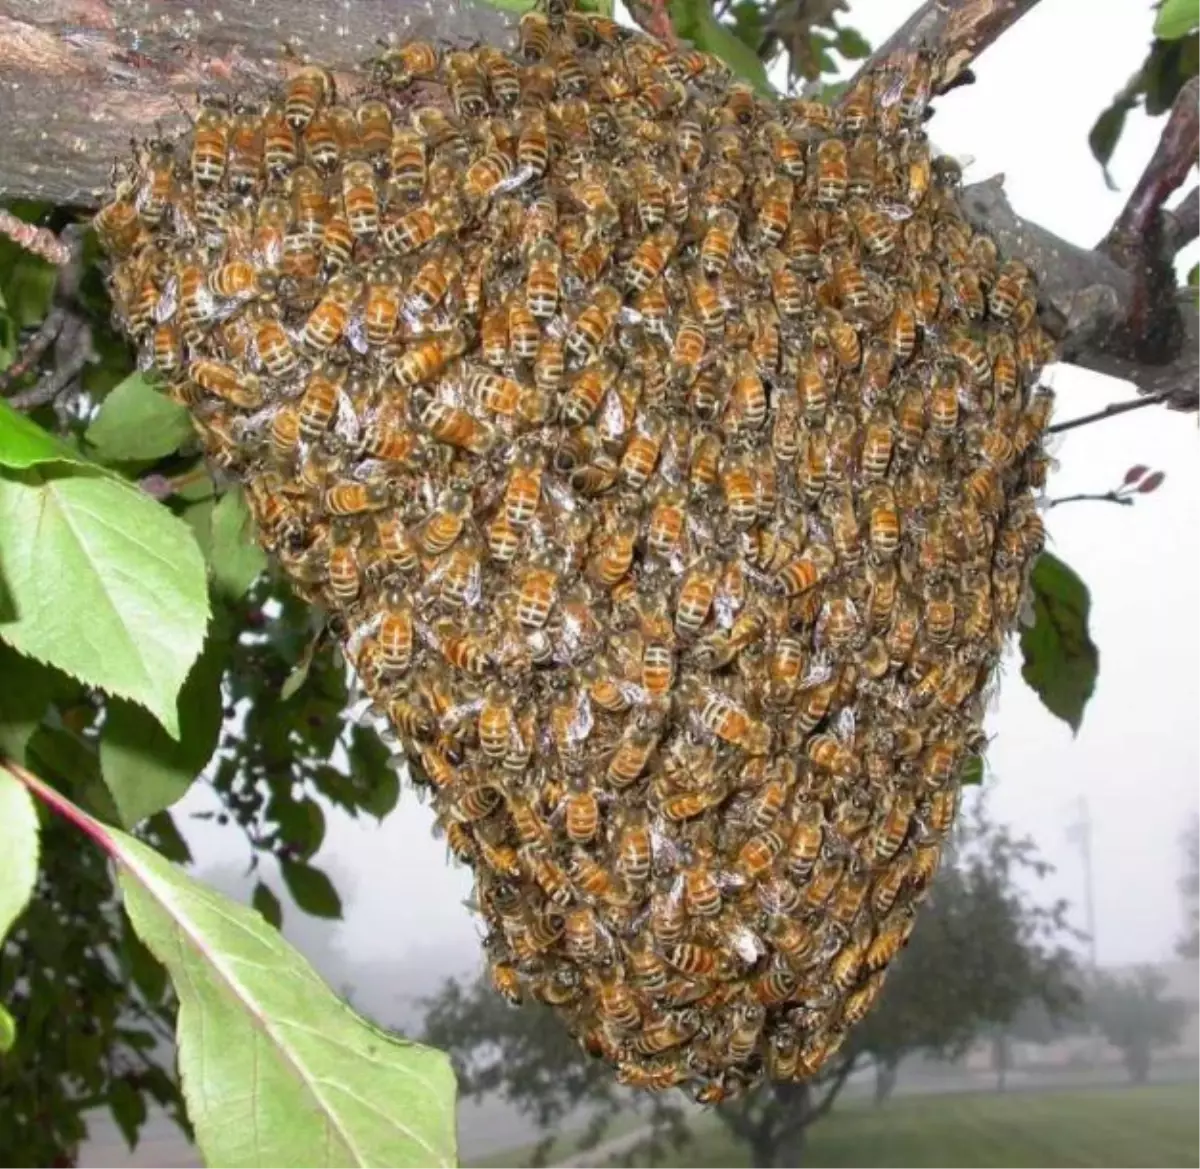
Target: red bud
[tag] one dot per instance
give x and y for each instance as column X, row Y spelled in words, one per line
column 1151, row 482
column 1134, row 474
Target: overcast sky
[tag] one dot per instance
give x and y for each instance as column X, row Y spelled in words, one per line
column 1136, row 759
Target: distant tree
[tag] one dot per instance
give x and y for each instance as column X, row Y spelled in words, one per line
column 1189, row 889
column 1135, row 1017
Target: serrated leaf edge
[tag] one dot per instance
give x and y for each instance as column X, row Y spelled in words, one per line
column 148, row 882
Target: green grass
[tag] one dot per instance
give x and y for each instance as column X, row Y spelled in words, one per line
column 564, row 1146
column 1154, row 1126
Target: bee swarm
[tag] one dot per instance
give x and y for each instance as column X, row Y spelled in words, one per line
column 666, row 457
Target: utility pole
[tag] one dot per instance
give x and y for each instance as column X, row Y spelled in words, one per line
column 1080, row 833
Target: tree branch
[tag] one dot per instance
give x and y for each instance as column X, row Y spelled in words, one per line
column 839, row 1082
column 1087, row 297
column 131, row 68
column 1182, row 222
column 958, row 29
column 83, row 77
column 1153, row 327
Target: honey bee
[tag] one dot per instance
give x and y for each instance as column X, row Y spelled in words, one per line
column 850, row 283
column 423, row 362
column 892, row 937
column 774, row 211
column 225, row 381
column 883, row 524
column 650, row 258
column 360, row 198
column 307, row 91
column 806, row 571
column 697, row 592
column 971, row 355
column 466, row 85
column 832, row 171
column 410, row 231
column 633, row 752
column 166, row 346
column 701, row 893
column 455, row 426
column 717, row 245
column 324, row 136
column 700, row 961
column 542, row 282
column 157, row 164
column 642, row 453
column 902, row 633
column 590, row 329
column 666, row 1032
column 399, row 67
column 210, row 146
column 328, row 321
column 812, row 390
column 634, row 853
column 910, row 420
column 615, row 554
column 344, row 576
column 587, row 388
column 350, row 498
column 687, row 351
column 319, row 403
column 524, row 335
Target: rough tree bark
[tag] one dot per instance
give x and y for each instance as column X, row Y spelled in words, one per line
column 80, row 78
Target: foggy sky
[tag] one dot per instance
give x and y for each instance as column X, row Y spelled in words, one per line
column 1136, row 758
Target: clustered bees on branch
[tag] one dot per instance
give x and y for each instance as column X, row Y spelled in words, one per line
column 666, row 457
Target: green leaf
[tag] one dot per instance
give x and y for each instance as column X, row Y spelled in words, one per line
column 138, row 422
column 693, row 21
column 128, row 1108
column 107, row 586
column 26, row 283
column 18, row 873
column 235, row 560
column 369, row 766
column 298, row 674
column 311, row 889
column 145, row 769
column 24, row 444
column 262, row 1038
column 1105, row 134
column 748, row 24
column 852, row 45
column 265, row 901
column 972, row 771
column 8, row 1030
column 18, row 847
column 24, row 696
column 1176, row 18
column 1061, row 662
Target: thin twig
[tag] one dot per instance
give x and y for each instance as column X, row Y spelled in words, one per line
column 958, row 30
column 839, row 1081
column 1106, row 497
column 1110, row 411
column 31, row 350
column 41, row 241
column 65, row 326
